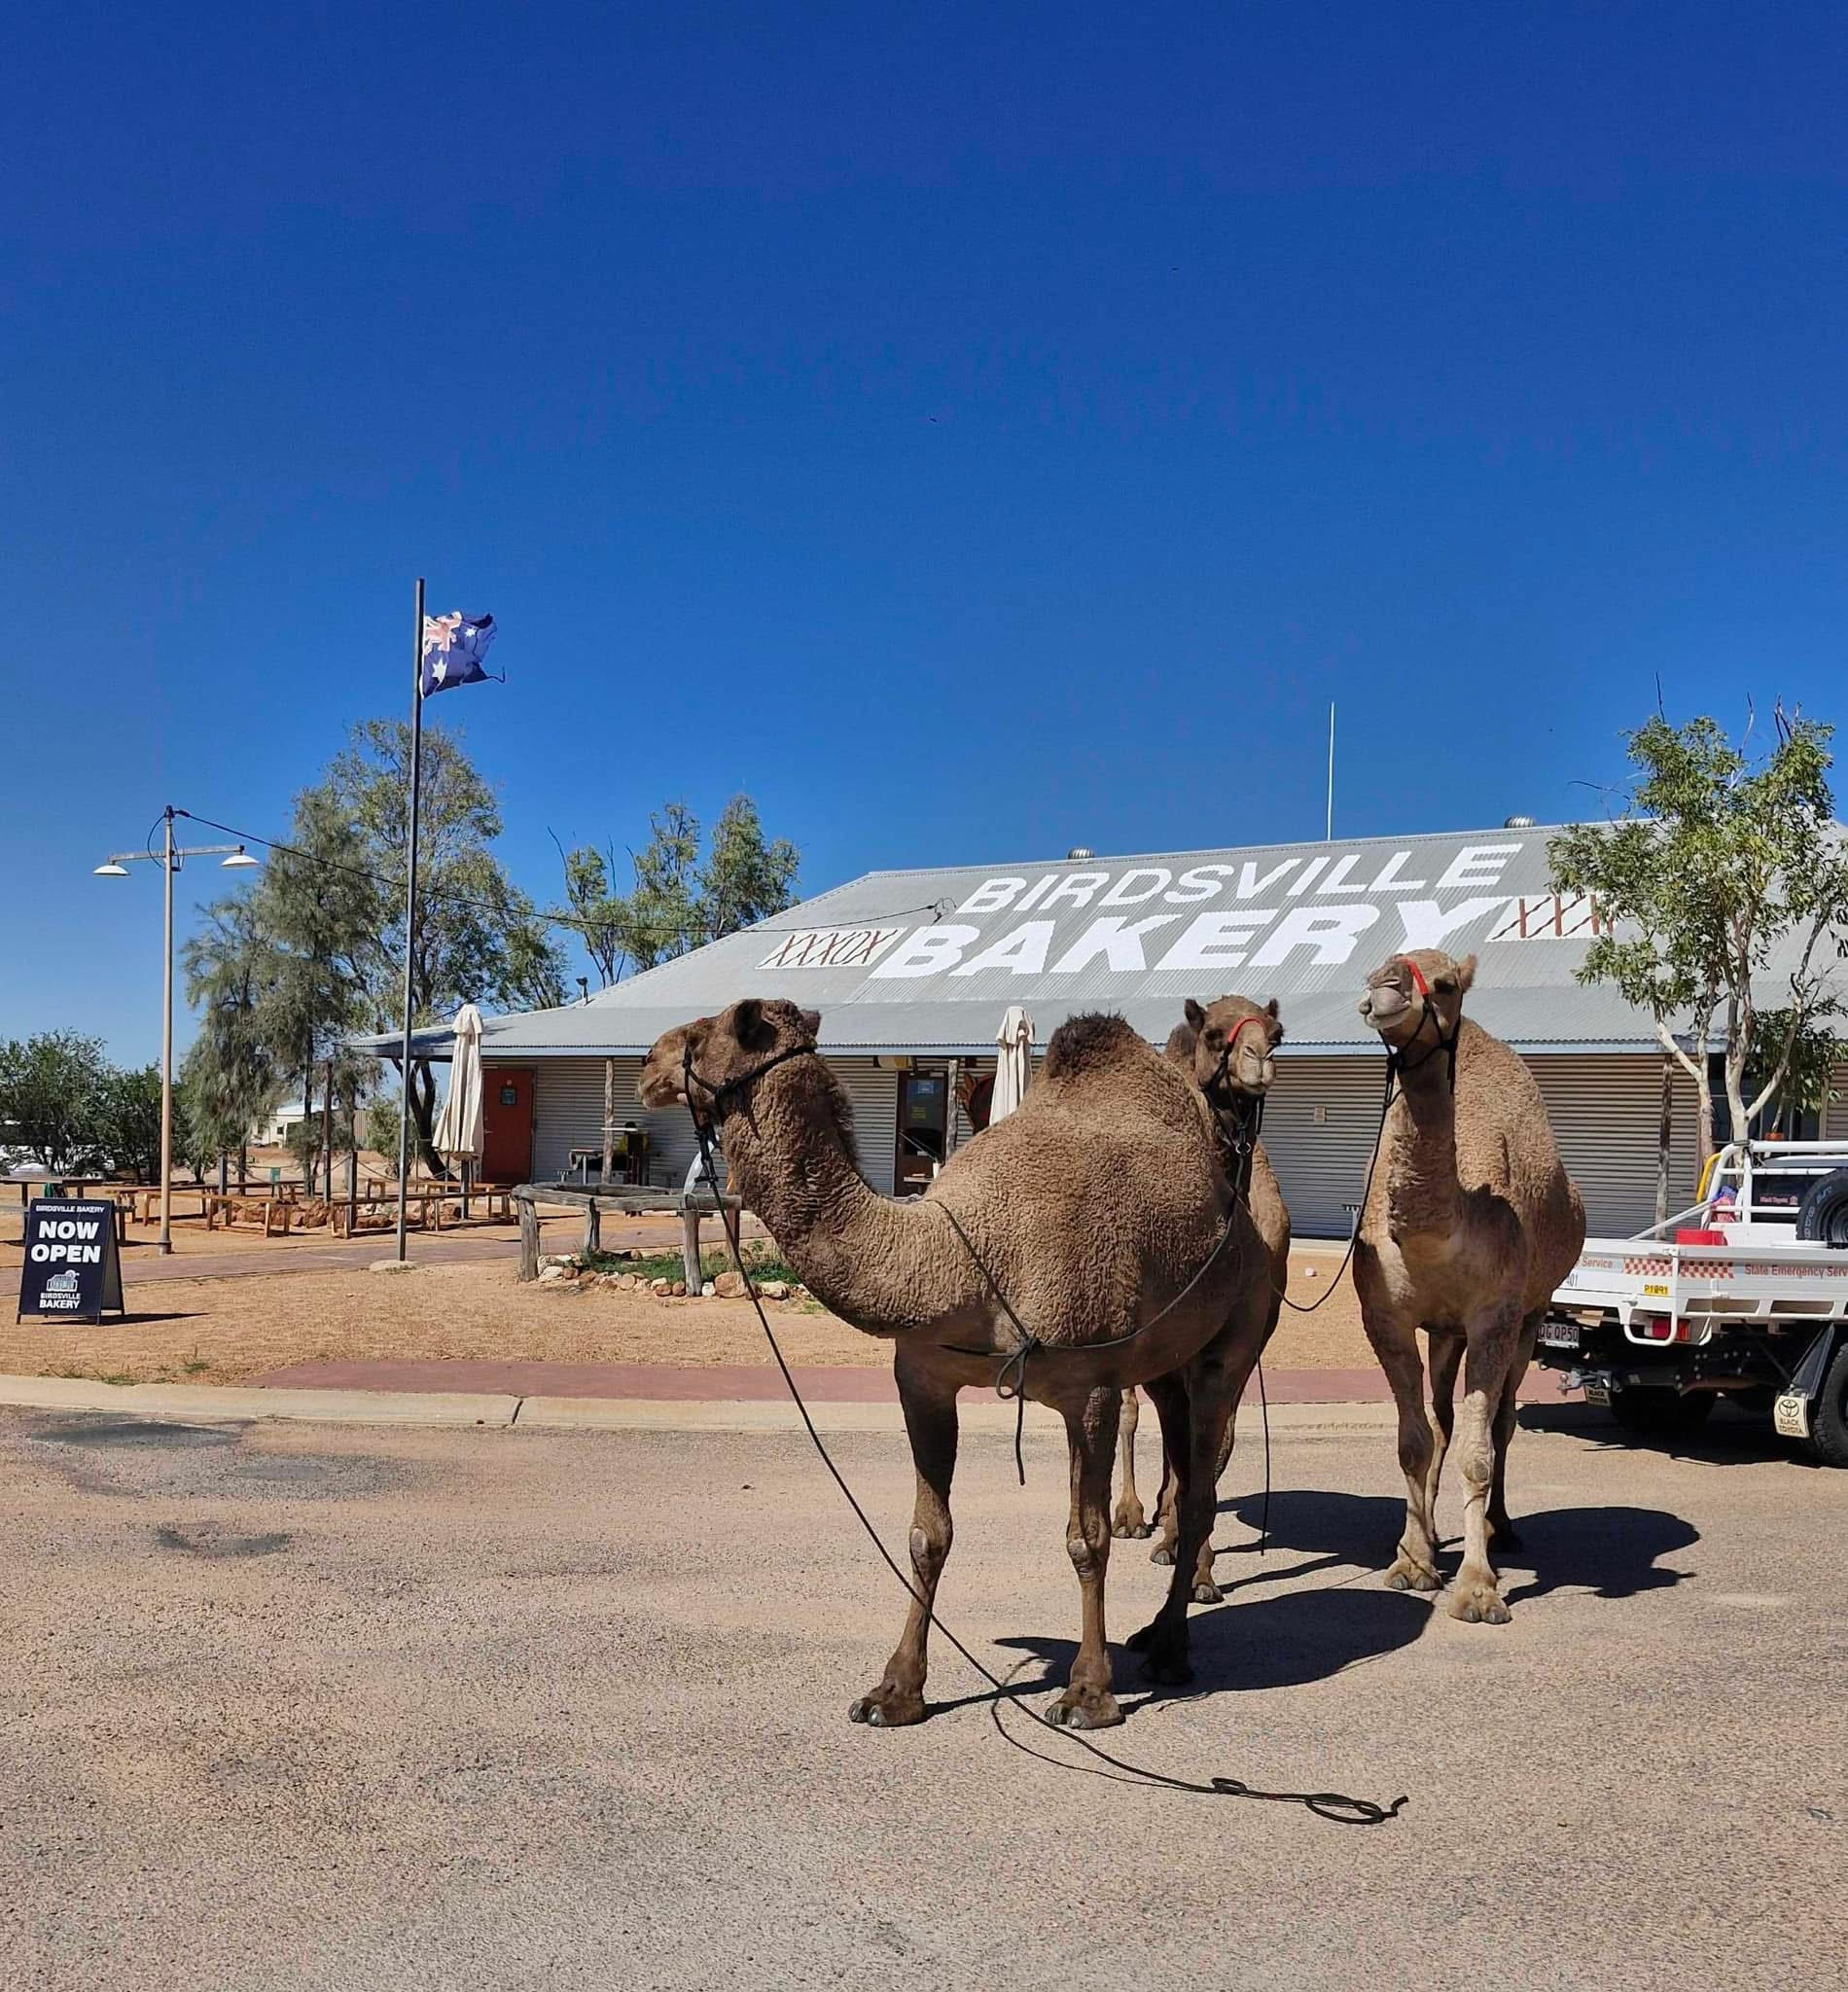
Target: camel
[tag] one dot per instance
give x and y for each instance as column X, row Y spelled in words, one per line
column 1469, row 1225
column 1098, row 1209
column 1228, row 1048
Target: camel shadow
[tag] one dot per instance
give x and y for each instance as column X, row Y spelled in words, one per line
column 1613, row 1552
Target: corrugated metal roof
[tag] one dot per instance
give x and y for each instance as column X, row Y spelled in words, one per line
column 929, row 959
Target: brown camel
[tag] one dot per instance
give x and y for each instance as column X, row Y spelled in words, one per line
column 1230, row 1049
column 1469, row 1225
column 1100, row 1210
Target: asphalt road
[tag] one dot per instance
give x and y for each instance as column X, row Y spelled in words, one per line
column 314, row 1707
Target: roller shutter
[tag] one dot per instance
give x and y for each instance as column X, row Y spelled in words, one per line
column 1606, row 1115
column 875, row 1095
column 1320, row 1122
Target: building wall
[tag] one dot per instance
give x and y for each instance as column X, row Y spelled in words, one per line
column 568, row 1113
column 1319, row 1128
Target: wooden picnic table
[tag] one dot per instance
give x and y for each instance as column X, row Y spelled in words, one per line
column 234, row 1211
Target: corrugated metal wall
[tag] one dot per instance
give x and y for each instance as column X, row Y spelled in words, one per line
column 570, row 1115
column 1605, row 1112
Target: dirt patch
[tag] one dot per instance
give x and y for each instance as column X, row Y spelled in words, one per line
column 218, row 1330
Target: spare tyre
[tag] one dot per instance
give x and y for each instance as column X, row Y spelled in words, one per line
column 1821, row 1218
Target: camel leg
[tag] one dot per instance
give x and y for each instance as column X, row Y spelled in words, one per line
column 1395, row 1342
column 1446, row 1359
column 1501, row 1528
column 1194, row 1418
column 1493, row 1345
column 929, row 1422
column 1130, row 1518
column 1087, row 1703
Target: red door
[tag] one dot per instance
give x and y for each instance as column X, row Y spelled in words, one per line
column 506, row 1124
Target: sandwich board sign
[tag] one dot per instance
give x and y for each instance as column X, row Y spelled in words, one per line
column 73, row 1269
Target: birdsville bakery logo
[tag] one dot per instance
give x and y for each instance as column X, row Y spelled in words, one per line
column 1265, row 912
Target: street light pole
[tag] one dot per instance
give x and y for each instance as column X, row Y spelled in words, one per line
column 169, row 858
column 166, row 1045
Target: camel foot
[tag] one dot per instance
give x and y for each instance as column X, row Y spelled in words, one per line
column 1163, row 1552
column 888, row 1707
column 1086, row 1708
column 1207, row 1594
column 1130, row 1524
column 1407, row 1575
column 1164, row 1650
column 1475, row 1600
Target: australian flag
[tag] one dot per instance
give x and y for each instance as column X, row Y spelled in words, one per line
column 453, row 647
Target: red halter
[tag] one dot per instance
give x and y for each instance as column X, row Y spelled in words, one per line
column 1417, row 977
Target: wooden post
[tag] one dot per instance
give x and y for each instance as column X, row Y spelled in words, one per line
column 528, row 1235
column 352, row 1162
column 609, row 1115
column 689, row 1244
column 592, row 1226
column 949, row 1112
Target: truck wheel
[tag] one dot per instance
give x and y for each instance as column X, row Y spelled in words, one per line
column 1829, row 1417
column 1660, row 1414
column 1821, row 1218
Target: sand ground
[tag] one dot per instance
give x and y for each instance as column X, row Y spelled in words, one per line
column 223, row 1330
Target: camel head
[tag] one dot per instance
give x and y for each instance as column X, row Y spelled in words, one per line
column 1404, row 992
column 1237, row 1033
column 726, row 1049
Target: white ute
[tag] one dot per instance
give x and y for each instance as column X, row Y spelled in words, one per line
column 1746, row 1295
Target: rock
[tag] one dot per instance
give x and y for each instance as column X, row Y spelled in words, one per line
column 730, row 1284
column 636, row 1252
column 627, row 1281
column 680, row 1290
column 773, row 1290
column 553, row 1274
column 661, row 1289
column 707, row 1291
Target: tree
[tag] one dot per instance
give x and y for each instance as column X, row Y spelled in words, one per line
column 127, row 1122
column 52, row 1087
column 231, row 1078
column 1723, row 862
column 745, row 881
column 322, row 943
column 677, row 903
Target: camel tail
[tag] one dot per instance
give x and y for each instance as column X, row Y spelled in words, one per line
column 1096, row 1042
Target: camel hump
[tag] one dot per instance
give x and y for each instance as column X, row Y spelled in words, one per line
column 1099, row 1041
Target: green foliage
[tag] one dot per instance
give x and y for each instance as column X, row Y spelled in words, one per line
column 677, row 903
column 52, row 1091
column 1724, row 859
column 128, row 1124
column 765, row 1264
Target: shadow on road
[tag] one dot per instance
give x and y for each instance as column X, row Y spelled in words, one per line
column 1732, row 1439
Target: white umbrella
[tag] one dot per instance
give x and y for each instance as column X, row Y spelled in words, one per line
column 459, row 1124
column 1013, row 1063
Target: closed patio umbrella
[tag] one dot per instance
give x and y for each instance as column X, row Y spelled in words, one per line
column 1013, row 1062
column 458, row 1134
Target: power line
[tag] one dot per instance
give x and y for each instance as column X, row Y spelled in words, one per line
column 609, row 925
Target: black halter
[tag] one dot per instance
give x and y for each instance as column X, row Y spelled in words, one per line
column 731, row 1088
column 1398, row 1063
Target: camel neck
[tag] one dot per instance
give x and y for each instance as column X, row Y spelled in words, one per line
column 875, row 1263
column 1421, row 1183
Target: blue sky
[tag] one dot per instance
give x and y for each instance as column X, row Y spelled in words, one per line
column 973, row 430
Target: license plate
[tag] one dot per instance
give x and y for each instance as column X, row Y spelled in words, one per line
column 1559, row 1334
column 1654, row 1290
column 1791, row 1415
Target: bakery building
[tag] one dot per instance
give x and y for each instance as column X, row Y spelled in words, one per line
column 912, row 973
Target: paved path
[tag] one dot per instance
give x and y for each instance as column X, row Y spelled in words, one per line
column 285, row 1709
column 141, row 1263
column 756, row 1382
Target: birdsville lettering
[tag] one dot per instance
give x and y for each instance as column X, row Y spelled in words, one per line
column 1261, row 911
column 72, row 1270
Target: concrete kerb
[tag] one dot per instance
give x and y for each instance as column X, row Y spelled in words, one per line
column 197, row 1404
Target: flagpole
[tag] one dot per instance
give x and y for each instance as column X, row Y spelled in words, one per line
column 410, row 910
column 1330, row 831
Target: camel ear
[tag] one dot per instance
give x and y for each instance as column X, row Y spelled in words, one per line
column 811, row 1021
column 1195, row 1014
column 746, row 1019
column 1466, row 974
column 1271, row 1007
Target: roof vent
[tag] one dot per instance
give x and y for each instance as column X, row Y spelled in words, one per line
column 1517, row 823
column 1080, row 851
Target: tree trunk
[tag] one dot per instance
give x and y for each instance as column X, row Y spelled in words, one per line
column 1665, row 1137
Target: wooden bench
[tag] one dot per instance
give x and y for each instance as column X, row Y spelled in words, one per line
column 271, row 1215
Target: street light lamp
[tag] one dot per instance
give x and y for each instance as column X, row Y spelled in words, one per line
column 169, row 858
